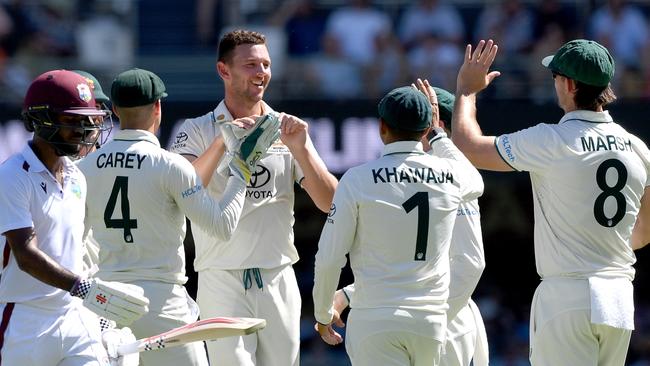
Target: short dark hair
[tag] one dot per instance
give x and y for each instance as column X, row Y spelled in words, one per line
column 589, row 97
column 404, row 135
column 235, row 38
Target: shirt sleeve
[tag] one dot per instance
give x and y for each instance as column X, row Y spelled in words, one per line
column 335, row 242
column 189, row 140
column 15, row 195
column 471, row 181
column 467, row 259
column 531, row 149
column 216, row 217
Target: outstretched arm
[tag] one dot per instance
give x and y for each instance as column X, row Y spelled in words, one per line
column 466, row 132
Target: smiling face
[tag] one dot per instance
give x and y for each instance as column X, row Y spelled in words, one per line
column 246, row 74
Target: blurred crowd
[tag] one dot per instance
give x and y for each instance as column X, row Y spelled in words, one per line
column 329, row 48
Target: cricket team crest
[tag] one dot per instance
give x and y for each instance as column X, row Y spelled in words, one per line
column 84, row 92
column 76, row 189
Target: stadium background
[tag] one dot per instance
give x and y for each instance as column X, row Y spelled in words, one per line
column 337, row 94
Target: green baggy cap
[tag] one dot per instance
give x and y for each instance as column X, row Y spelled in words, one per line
column 406, row 108
column 94, row 86
column 137, row 87
column 583, row 60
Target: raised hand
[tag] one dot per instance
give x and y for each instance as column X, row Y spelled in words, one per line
column 473, row 75
column 430, row 93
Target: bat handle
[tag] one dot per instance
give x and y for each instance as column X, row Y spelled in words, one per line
column 128, row 348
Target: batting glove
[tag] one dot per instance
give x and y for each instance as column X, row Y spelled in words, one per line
column 112, row 339
column 253, row 146
column 121, row 302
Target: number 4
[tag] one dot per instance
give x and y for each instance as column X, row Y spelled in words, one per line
column 121, row 187
column 421, row 201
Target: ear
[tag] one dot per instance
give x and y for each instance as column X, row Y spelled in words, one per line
column 572, row 86
column 115, row 112
column 442, row 124
column 223, row 70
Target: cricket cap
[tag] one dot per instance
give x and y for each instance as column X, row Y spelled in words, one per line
column 136, row 87
column 406, row 108
column 583, row 60
column 61, row 91
column 100, row 97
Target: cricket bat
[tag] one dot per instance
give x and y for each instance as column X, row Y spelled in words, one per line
column 203, row 330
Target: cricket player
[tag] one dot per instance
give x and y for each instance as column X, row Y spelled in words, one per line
column 588, row 176
column 394, row 216
column 251, row 273
column 43, row 198
column 466, row 336
column 141, row 195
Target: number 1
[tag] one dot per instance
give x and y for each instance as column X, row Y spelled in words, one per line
column 421, row 201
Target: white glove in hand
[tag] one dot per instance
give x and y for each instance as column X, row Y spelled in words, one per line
column 254, row 146
column 112, row 339
column 121, row 302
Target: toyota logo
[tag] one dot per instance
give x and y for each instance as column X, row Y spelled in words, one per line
column 260, row 177
column 181, row 137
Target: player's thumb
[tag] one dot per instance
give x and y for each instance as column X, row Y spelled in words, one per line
column 339, row 323
column 493, row 75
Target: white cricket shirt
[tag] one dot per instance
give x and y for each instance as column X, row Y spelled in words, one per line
column 139, row 195
column 32, row 197
column 394, row 216
column 264, row 236
column 588, row 176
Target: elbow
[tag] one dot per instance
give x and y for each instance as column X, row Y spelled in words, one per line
column 24, row 261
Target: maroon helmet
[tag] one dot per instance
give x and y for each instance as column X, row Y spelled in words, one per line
column 61, row 92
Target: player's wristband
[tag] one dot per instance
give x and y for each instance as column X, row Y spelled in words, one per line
column 437, row 133
column 346, row 295
column 81, row 287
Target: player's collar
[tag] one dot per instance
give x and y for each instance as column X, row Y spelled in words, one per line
column 587, row 116
column 34, row 165
column 404, row 147
column 32, row 162
column 136, row 135
column 222, row 114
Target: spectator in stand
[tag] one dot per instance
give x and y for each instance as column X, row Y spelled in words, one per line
column 331, row 75
column 552, row 14
column 622, row 28
column 356, row 27
column 303, row 24
column 509, row 24
column 435, row 59
column 426, row 17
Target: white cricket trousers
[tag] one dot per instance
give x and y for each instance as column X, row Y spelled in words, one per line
column 562, row 333
column 33, row 336
column 222, row 293
column 169, row 307
column 466, row 339
column 371, row 341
